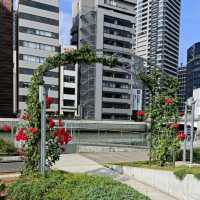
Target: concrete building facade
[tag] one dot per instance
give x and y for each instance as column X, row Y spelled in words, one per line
column 38, row 38
column 69, row 88
column 6, row 58
column 107, row 26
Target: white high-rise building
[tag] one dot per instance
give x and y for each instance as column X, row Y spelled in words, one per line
column 157, row 35
column 69, row 88
column 38, row 38
column 107, row 26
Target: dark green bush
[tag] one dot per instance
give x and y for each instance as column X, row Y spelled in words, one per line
column 64, row 186
column 196, row 155
column 181, row 173
column 7, row 147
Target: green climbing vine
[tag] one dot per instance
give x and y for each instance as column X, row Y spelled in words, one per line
column 164, row 116
column 31, row 132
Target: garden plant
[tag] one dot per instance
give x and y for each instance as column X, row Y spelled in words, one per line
column 163, row 113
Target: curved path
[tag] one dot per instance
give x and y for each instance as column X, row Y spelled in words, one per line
column 76, row 163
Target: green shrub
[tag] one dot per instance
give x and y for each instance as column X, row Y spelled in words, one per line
column 196, row 155
column 181, row 173
column 63, row 186
column 7, row 147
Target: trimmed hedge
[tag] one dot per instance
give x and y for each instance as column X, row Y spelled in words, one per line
column 63, row 186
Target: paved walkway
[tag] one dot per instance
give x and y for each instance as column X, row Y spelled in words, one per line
column 77, row 163
column 118, row 157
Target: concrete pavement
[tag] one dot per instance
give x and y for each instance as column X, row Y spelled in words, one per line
column 76, row 163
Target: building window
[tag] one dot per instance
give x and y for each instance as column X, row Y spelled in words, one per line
column 39, row 5
column 69, row 79
column 69, row 103
column 69, row 67
column 36, row 18
column 40, row 46
column 70, row 91
column 32, row 59
column 38, row 32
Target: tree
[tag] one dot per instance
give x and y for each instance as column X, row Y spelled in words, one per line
column 163, row 113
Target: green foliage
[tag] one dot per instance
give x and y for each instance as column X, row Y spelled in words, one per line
column 84, row 55
column 63, row 186
column 196, row 155
column 163, row 139
column 7, row 147
column 181, row 173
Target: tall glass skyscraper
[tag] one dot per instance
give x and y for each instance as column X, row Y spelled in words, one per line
column 193, row 68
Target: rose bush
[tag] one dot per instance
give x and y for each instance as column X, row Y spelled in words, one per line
column 163, row 113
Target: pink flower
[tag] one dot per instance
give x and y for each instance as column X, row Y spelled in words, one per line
column 168, row 101
column 25, row 116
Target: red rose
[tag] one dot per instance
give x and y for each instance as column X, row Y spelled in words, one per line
column 168, row 101
column 25, row 116
column 51, row 123
column 49, row 101
column 181, row 136
column 62, row 136
column 6, row 128
column 60, row 123
column 21, row 136
column 175, row 125
column 181, row 114
column 140, row 113
column 33, row 130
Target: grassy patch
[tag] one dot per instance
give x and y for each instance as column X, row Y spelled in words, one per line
column 180, row 172
column 63, row 186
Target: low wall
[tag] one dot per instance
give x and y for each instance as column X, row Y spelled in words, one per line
column 187, row 189
column 99, row 149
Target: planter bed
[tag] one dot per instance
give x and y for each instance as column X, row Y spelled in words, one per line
column 11, row 164
column 186, row 189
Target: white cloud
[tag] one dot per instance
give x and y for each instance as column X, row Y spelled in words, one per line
column 65, row 27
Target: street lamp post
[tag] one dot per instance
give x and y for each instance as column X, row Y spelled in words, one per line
column 185, row 131
column 190, row 102
column 192, row 131
column 42, row 96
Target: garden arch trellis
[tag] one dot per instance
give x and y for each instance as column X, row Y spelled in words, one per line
column 83, row 55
